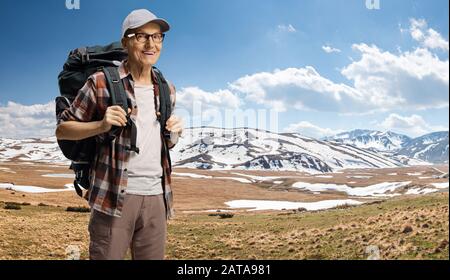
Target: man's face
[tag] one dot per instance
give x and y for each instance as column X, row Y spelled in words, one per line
column 144, row 53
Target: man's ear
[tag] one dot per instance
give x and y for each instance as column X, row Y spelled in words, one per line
column 124, row 43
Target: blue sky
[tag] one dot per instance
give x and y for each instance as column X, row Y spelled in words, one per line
column 249, row 55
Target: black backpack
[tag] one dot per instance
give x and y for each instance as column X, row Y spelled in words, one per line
column 82, row 63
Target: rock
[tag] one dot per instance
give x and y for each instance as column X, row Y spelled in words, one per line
column 226, row 215
column 407, row 229
column 443, row 244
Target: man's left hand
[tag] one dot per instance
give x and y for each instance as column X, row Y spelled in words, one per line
column 175, row 124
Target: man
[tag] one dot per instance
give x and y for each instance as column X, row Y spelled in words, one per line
column 131, row 197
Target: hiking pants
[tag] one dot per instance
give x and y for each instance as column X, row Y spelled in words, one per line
column 142, row 227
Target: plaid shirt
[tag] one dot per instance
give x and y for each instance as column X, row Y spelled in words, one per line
column 109, row 175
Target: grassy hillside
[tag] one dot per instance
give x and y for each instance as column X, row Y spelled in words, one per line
column 402, row 228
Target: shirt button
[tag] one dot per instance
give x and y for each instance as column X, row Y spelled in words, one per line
column 122, row 191
column 125, row 170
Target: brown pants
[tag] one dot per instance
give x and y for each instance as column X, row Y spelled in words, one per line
column 142, row 227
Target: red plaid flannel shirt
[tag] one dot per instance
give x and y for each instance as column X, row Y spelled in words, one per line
column 109, row 174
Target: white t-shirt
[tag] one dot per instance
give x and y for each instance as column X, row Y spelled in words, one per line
column 144, row 169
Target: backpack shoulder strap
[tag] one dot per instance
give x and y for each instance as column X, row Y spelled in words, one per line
column 119, row 97
column 115, row 87
column 165, row 108
column 165, row 104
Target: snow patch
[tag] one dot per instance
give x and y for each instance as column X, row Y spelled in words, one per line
column 381, row 189
column 414, row 174
column 360, row 177
column 71, row 176
column 33, row 189
column 440, row 185
column 280, row 205
column 192, row 175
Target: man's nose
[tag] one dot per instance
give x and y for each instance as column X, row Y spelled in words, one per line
column 150, row 43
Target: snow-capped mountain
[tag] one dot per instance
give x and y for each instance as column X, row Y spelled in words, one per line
column 431, row 147
column 40, row 150
column 247, row 148
column 372, row 139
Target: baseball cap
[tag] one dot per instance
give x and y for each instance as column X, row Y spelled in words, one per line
column 138, row 18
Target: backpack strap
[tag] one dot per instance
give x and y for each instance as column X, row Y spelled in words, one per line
column 116, row 88
column 119, row 97
column 165, row 104
column 165, row 109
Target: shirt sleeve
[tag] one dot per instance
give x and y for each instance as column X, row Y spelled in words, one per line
column 84, row 106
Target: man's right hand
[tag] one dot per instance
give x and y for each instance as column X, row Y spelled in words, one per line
column 114, row 116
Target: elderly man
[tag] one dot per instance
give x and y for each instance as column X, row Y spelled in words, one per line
column 131, row 198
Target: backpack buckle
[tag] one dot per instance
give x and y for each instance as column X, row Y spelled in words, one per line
column 133, row 148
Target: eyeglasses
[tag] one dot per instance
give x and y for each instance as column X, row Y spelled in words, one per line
column 144, row 37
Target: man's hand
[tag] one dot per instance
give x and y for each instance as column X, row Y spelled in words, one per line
column 114, row 115
column 175, row 124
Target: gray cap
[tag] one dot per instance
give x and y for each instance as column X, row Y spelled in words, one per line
column 138, row 18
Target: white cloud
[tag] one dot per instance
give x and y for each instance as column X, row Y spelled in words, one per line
column 297, row 88
column 22, row 121
column 417, row 79
column 198, row 107
column 379, row 81
column 308, row 129
column 413, row 125
column 428, row 37
column 186, row 97
column 287, row 28
column 329, row 49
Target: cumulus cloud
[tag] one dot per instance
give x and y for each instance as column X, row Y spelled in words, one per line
column 417, row 79
column 428, row 37
column 198, row 107
column 413, row 125
column 186, row 98
column 301, row 88
column 22, row 121
column 377, row 81
column 308, row 129
column 329, row 49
